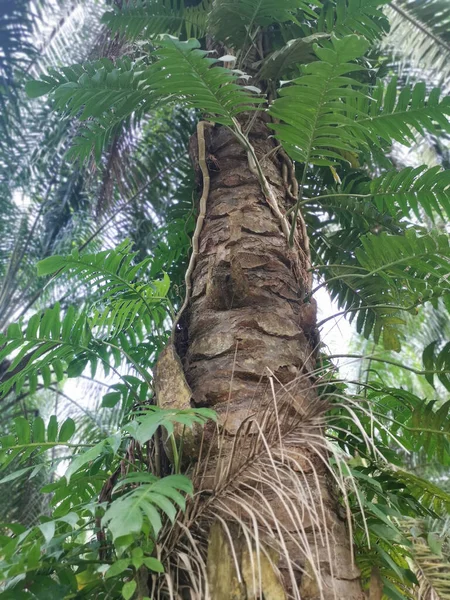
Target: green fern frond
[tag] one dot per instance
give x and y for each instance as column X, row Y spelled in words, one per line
column 93, row 137
column 423, row 427
column 409, row 190
column 45, row 348
column 184, row 73
column 110, row 93
column 125, row 309
column 360, row 215
column 148, row 18
column 152, row 496
column 96, row 87
column 33, row 438
column 392, row 272
column 430, row 495
column 363, row 17
column 123, row 301
column 315, row 126
column 392, row 115
column 236, row 21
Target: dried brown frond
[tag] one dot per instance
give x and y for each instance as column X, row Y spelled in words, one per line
column 264, row 520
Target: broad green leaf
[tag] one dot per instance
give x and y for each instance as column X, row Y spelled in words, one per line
column 84, row 458
column 67, row 430
column 117, row 568
column 128, row 589
column 153, row 564
column 49, row 265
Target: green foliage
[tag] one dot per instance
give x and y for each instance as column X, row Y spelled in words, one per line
column 296, row 51
column 430, row 543
column 410, row 191
column 236, row 21
column 419, row 38
column 398, row 115
column 314, row 125
column 148, row 18
column 343, row 17
column 437, row 362
column 337, row 118
column 124, row 312
column 110, row 93
column 391, row 274
column 126, row 515
column 132, row 513
column 124, row 302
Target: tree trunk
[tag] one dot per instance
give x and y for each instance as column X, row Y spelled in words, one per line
column 248, row 348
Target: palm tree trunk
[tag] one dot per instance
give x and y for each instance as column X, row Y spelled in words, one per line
column 248, row 350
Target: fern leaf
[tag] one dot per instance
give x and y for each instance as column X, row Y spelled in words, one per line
column 363, row 17
column 393, row 115
column 96, row 87
column 184, row 72
column 123, row 300
column 48, row 344
column 408, row 191
column 154, row 496
column 236, row 21
column 125, row 306
column 148, row 18
column 397, row 271
column 109, row 93
column 315, row 126
column 26, row 439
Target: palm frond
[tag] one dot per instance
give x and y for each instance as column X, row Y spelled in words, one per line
column 419, row 37
column 344, row 17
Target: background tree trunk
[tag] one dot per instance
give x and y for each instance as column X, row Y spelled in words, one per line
column 248, row 345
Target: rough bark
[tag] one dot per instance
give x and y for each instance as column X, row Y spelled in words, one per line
column 248, row 320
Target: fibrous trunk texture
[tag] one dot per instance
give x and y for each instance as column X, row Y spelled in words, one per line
column 248, row 348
